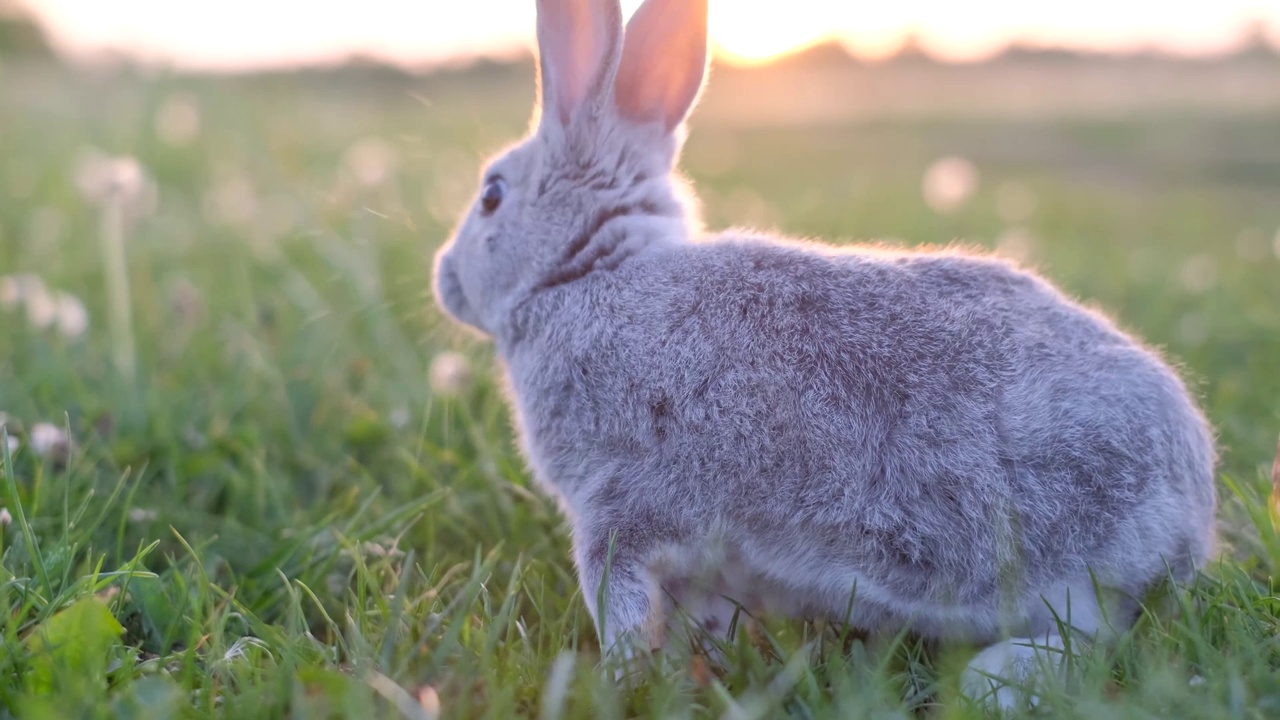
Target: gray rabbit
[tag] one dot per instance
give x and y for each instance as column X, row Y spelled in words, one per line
column 934, row 440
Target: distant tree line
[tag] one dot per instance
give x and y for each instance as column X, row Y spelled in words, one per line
column 1254, row 44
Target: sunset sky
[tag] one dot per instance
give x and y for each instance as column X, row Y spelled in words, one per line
column 247, row 33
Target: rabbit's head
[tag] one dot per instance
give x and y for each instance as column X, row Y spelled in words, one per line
column 598, row 162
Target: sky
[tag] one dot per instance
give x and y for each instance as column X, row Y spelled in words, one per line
column 255, row 33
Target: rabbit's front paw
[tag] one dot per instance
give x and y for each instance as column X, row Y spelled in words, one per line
column 706, row 623
column 1002, row 677
column 627, row 657
column 616, row 589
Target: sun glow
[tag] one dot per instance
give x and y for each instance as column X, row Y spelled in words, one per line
column 257, row 33
column 747, row 32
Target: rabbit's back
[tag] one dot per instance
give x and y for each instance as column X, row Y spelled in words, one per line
column 943, row 426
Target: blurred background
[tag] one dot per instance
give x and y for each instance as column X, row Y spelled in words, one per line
column 217, row 223
column 208, row 209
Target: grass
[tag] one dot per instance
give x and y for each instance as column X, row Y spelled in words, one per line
column 276, row 515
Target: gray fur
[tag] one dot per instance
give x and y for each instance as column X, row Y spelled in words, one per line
column 940, row 433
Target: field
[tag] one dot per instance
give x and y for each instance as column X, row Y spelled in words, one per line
column 280, row 512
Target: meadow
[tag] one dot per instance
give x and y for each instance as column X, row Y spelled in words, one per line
column 288, row 487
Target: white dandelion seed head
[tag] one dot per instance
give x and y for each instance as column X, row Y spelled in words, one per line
column 48, row 439
column 177, row 120
column 450, row 374
column 1251, row 245
column 370, row 161
column 141, row 515
column 13, row 443
column 239, row 650
column 42, row 307
column 948, row 183
column 6, row 518
column 72, row 317
column 102, row 179
column 14, row 289
column 126, row 176
column 399, row 418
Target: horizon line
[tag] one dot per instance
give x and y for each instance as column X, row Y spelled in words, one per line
column 911, row 46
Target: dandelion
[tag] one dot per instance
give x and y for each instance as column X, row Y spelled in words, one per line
column 15, row 289
column 6, row 518
column 71, row 315
column 42, row 307
column 177, row 121
column 239, row 650
column 49, row 440
column 141, row 515
column 948, row 183
column 399, row 418
column 121, row 188
column 450, row 374
column 1251, row 245
column 370, row 161
column 1015, row 202
column 120, row 181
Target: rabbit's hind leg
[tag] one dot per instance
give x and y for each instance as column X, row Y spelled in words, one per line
column 1004, row 674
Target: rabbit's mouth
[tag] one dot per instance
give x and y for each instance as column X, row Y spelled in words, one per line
column 450, row 296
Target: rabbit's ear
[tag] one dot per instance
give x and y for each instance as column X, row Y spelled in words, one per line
column 664, row 59
column 578, row 45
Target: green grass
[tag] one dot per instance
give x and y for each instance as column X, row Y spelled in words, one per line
column 277, row 517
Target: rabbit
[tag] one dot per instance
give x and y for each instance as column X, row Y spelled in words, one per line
column 931, row 440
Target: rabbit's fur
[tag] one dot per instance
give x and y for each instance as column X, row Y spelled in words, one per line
column 937, row 440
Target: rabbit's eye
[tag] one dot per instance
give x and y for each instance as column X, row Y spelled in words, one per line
column 494, row 190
